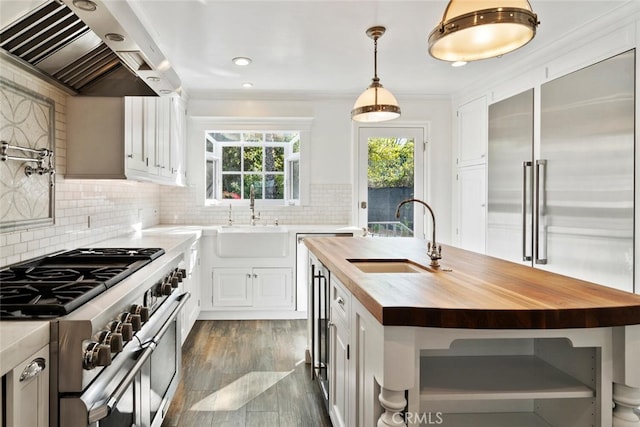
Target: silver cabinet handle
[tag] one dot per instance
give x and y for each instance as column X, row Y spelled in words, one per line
column 340, row 300
column 248, row 275
column 525, row 201
column 255, row 276
column 540, row 255
column 33, row 369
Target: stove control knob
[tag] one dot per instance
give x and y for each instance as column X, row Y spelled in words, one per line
column 96, row 354
column 124, row 329
column 166, row 288
column 136, row 321
column 175, row 280
column 127, row 325
column 158, row 289
column 142, row 311
column 182, row 274
column 112, row 339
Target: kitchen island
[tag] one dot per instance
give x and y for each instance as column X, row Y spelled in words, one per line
column 477, row 338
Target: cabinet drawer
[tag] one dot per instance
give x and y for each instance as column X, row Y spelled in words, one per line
column 340, row 299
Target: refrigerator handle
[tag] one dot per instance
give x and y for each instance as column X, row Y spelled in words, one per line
column 525, row 179
column 540, row 244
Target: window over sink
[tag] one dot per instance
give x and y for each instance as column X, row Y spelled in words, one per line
column 268, row 160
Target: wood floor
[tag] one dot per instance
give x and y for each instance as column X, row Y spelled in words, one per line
column 246, row 373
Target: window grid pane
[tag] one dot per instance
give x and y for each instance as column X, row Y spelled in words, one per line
column 257, row 158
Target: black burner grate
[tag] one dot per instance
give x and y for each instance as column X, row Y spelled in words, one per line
column 56, row 285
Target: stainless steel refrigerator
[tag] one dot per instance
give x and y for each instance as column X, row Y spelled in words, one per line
column 561, row 188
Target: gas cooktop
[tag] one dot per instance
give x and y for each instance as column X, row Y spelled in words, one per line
column 55, row 285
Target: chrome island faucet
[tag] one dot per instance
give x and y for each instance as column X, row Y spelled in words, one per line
column 252, row 204
column 433, row 250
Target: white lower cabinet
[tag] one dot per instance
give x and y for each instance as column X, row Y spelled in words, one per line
column 191, row 285
column 394, row 375
column 339, row 355
column 27, row 392
column 260, row 288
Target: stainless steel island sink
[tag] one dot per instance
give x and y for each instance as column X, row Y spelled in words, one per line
column 389, row 266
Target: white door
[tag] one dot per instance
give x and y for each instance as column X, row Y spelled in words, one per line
column 391, row 169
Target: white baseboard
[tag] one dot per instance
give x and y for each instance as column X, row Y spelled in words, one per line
column 252, row 315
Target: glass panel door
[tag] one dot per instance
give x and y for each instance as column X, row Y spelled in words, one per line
column 391, row 170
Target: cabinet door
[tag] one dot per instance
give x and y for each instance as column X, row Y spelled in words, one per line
column 163, row 137
column 232, row 287
column 134, row 127
column 150, row 133
column 340, row 381
column 191, row 285
column 472, row 132
column 28, row 398
column 178, row 146
column 338, row 370
column 272, row 287
column 472, row 210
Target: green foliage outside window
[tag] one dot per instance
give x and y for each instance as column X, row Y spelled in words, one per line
column 390, row 162
column 256, row 158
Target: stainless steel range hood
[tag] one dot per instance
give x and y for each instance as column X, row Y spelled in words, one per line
column 90, row 48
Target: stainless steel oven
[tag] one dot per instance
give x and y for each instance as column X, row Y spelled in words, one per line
column 135, row 389
column 115, row 347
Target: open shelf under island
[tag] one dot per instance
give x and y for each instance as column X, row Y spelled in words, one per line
column 477, row 339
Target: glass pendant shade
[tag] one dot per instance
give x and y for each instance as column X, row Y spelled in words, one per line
column 471, row 30
column 375, row 104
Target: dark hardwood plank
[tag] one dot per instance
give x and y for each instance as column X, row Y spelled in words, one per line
column 246, row 373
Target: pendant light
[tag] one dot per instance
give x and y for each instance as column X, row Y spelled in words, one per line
column 375, row 104
column 472, row 30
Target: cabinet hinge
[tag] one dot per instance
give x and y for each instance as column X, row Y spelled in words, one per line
column 348, row 351
column 457, row 177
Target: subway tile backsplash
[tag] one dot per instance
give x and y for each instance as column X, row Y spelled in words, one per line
column 328, row 204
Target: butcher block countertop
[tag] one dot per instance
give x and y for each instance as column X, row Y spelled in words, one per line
column 478, row 292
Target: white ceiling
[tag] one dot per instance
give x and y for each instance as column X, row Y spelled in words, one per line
column 320, row 46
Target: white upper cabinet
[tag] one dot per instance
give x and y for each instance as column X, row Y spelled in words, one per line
column 177, row 135
column 140, row 138
column 472, row 132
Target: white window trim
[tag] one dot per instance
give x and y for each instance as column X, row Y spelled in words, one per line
column 202, row 125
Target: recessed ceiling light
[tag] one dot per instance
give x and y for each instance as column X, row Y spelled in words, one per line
column 458, row 63
column 114, row 37
column 241, row 61
column 247, row 85
column 86, row 5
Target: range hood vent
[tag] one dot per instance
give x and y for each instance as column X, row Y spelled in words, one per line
column 42, row 32
column 55, row 41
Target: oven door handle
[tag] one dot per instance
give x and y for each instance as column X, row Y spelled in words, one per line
column 99, row 413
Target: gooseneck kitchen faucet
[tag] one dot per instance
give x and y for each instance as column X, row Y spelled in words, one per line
column 433, row 250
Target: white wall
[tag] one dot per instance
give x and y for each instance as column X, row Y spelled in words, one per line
column 330, row 159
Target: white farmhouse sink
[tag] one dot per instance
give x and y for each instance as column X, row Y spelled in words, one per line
column 252, row 241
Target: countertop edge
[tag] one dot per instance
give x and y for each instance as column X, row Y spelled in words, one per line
column 478, row 318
